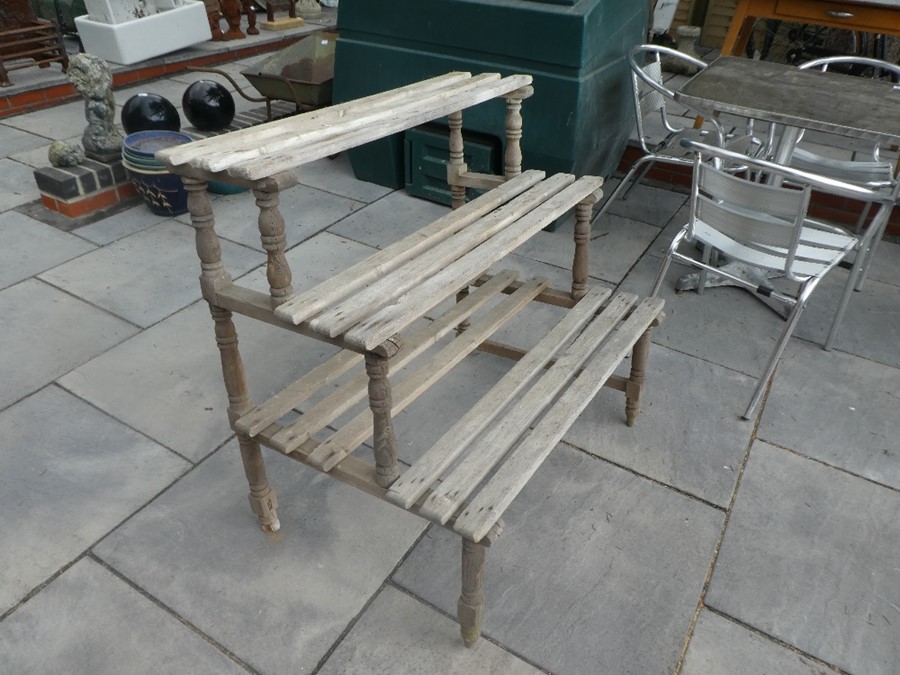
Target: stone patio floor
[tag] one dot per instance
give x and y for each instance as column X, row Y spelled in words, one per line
column 694, row 542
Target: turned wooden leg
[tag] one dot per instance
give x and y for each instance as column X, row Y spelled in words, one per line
column 262, row 496
column 380, row 401
column 247, row 6
column 271, row 230
column 583, row 213
column 635, row 384
column 512, row 158
column 470, row 608
column 457, row 159
column 213, row 277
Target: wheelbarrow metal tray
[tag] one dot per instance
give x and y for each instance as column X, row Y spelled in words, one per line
column 302, row 72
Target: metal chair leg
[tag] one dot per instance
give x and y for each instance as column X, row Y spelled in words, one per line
column 666, row 262
column 790, row 324
column 855, row 273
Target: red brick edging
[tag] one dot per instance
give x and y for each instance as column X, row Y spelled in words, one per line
column 36, row 99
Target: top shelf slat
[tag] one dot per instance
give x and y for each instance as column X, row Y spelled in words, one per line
column 262, row 151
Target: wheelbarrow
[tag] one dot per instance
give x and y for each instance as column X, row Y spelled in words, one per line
column 302, row 73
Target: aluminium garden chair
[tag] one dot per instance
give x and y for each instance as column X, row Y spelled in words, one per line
column 871, row 171
column 766, row 226
column 652, row 96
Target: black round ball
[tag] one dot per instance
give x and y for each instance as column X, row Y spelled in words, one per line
column 208, row 105
column 149, row 111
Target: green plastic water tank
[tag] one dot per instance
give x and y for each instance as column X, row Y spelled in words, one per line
column 581, row 114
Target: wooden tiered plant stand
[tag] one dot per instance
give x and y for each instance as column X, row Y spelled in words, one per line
column 372, row 312
column 26, row 41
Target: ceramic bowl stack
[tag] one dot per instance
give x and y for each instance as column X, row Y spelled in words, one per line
column 163, row 192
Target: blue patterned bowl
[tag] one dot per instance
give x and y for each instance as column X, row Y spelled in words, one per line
column 162, row 192
column 148, row 143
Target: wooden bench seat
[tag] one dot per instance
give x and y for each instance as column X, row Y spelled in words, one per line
column 398, row 335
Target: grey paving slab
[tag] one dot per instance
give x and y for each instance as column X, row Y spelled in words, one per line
column 592, row 562
column 398, row 634
column 648, row 204
column 46, row 333
column 660, row 245
column 167, row 381
column 90, row 621
column 314, row 261
column 14, row 140
column 306, row 211
column 850, row 422
column 726, row 326
column 388, row 219
column 886, row 264
column 445, row 403
column 119, row 225
column 616, row 245
column 279, row 602
column 35, row 157
column 722, row 646
column 689, row 434
column 148, row 276
column 871, row 326
column 66, row 484
column 809, row 557
column 336, row 176
column 56, row 123
column 17, row 184
column 30, row 247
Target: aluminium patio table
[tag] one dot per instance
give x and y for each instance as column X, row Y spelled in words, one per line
column 853, row 107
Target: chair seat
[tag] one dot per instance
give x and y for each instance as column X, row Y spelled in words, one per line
column 817, row 253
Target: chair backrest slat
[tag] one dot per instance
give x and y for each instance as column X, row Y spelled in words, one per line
column 649, row 99
column 761, row 218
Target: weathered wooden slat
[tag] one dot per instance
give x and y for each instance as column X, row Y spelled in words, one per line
column 490, row 503
column 263, row 415
column 353, row 391
column 416, row 480
column 311, row 302
column 269, row 164
column 351, row 435
column 356, row 119
column 247, row 138
column 392, row 318
column 488, row 450
column 359, row 306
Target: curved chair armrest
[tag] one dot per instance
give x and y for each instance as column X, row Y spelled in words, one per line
column 821, row 183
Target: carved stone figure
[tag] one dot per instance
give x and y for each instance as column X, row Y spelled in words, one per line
column 91, row 76
column 61, row 153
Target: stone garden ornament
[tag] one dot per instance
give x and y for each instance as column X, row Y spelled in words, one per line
column 91, row 76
